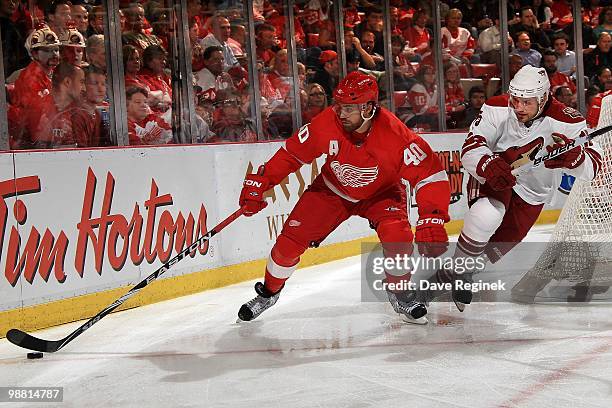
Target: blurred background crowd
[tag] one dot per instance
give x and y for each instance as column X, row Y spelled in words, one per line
column 260, row 69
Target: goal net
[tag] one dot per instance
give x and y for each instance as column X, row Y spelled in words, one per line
column 576, row 265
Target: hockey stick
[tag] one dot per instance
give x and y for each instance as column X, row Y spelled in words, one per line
column 544, row 155
column 25, row 340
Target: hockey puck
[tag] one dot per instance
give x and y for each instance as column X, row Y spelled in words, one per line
column 33, row 356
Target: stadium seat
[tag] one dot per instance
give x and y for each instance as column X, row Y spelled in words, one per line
column 484, row 71
column 399, row 98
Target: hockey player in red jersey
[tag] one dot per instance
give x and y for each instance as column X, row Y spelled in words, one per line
column 510, row 129
column 369, row 151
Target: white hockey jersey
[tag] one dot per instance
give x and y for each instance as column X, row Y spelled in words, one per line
column 497, row 130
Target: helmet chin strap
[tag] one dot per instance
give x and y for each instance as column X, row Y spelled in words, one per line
column 365, row 125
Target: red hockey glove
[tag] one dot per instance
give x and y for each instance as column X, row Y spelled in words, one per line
column 568, row 160
column 252, row 194
column 496, row 171
column 431, row 236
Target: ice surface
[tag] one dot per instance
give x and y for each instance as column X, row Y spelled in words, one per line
column 320, row 346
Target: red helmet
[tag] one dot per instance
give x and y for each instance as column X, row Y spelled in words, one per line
column 356, row 88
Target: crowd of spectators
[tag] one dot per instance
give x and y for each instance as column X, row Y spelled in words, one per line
column 54, row 57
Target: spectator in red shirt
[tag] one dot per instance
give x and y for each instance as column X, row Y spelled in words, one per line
column 34, row 82
column 154, row 59
column 280, row 77
column 418, row 35
column 48, row 123
column 91, row 123
column 132, row 63
column 72, row 47
column 556, row 78
column 144, row 127
column 562, row 14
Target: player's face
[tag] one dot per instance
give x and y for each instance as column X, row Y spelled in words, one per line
column 524, row 108
column 349, row 115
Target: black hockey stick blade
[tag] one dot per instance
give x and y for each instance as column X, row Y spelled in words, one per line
column 25, row 340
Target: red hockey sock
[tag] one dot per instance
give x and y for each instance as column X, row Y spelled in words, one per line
column 272, row 283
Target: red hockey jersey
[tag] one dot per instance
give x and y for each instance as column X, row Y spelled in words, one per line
column 356, row 171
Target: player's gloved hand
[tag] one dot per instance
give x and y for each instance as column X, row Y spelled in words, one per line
column 431, row 237
column 252, row 194
column 568, row 160
column 496, row 171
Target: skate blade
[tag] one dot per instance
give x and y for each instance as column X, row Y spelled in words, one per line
column 420, row 321
column 460, row 306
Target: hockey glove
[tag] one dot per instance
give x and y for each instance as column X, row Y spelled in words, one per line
column 496, row 171
column 431, row 237
column 568, row 160
column 252, row 195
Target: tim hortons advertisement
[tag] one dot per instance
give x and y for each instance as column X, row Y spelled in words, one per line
column 76, row 222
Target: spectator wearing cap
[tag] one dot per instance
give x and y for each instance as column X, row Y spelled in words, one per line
column 72, row 46
column 327, row 74
column 219, row 37
column 34, row 82
column 48, row 122
column 58, row 16
column 154, row 60
column 136, row 34
column 80, row 17
column 14, row 54
column 91, row 123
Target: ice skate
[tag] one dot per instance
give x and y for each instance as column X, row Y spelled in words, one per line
column 459, row 294
column 404, row 303
column 262, row 302
column 527, row 288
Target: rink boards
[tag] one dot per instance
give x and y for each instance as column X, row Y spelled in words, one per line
column 78, row 226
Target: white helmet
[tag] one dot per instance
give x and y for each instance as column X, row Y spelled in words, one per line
column 531, row 82
column 43, row 37
column 72, row 38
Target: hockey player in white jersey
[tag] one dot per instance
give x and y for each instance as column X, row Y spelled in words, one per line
column 511, row 129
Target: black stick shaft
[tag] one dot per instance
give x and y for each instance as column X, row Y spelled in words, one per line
column 25, row 340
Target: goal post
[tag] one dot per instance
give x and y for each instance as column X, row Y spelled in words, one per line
column 576, row 265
